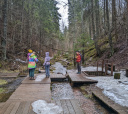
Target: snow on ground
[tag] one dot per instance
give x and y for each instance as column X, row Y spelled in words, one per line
column 42, row 107
column 112, row 88
column 40, row 78
column 59, row 68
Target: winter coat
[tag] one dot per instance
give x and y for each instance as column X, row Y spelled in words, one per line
column 47, row 59
column 32, row 61
column 78, row 58
column 28, row 56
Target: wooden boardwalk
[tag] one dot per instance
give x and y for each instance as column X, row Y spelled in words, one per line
column 31, row 92
column 9, row 75
column 79, row 79
column 23, row 107
column 57, row 77
column 70, row 106
column 111, row 104
column 28, row 92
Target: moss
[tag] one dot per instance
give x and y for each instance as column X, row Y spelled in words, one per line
column 82, row 88
column 2, row 90
column 117, row 76
column 0, row 65
column 3, row 82
column 90, row 53
column 4, row 96
column 51, row 69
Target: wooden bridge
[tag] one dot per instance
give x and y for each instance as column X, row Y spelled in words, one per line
column 29, row 91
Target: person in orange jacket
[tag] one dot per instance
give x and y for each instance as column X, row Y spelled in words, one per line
column 78, row 61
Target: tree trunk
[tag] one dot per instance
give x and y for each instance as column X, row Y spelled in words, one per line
column 127, row 22
column 114, row 18
column 93, row 28
column 108, row 29
column 97, row 24
column 22, row 21
column 4, row 39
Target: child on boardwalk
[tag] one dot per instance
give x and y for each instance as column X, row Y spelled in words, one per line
column 32, row 65
column 47, row 64
column 78, row 61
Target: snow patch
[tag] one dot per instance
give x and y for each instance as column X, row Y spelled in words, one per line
column 40, row 78
column 59, row 68
column 42, row 107
column 112, row 88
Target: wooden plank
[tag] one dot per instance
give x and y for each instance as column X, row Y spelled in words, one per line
column 64, row 106
column 31, row 110
column 21, row 108
column 59, row 104
column 4, row 108
column 15, row 108
column 9, row 75
column 1, row 105
column 70, row 107
column 31, row 92
column 9, row 109
column 79, row 78
column 76, row 107
column 43, row 81
column 116, row 107
column 26, row 108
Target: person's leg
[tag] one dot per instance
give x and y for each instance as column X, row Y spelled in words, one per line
column 77, row 67
column 33, row 72
column 80, row 67
column 48, row 71
column 30, row 73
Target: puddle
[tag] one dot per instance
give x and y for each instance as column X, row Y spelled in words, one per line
column 62, row 91
column 9, row 88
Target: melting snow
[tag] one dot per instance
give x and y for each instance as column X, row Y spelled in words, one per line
column 112, row 88
column 59, row 68
column 40, row 78
column 42, row 107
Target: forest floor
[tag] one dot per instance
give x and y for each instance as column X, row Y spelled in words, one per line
column 120, row 56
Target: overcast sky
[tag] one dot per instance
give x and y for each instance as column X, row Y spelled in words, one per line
column 64, row 13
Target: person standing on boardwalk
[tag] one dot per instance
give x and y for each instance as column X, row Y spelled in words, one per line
column 47, row 64
column 32, row 65
column 78, row 61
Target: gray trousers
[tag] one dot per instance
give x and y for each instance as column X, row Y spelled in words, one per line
column 79, row 67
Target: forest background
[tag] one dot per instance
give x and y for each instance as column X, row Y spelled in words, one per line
column 98, row 28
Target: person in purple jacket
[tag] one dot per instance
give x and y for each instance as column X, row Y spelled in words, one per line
column 47, row 64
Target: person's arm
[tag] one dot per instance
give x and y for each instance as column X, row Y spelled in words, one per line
column 35, row 58
column 44, row 61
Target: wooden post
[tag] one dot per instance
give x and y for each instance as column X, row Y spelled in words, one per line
column 106, row 68
column 112, row 69
column 97, row 65
column 102, row 66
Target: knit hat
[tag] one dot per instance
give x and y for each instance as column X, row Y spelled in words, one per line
column 30, row 51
